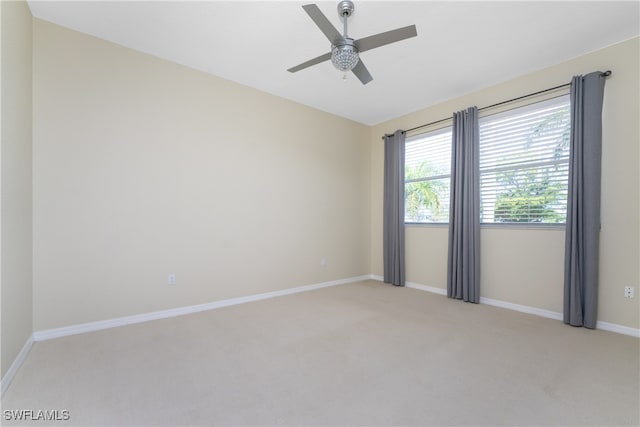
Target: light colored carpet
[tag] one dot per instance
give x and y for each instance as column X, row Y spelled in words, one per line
column 358, row 354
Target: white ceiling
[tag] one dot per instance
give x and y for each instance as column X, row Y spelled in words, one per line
column 461, row 46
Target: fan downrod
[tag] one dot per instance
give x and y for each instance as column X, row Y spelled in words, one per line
column 345, row 8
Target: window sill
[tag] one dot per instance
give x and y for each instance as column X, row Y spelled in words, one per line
column 525, row 226
column 511, row 226
column 427, row 224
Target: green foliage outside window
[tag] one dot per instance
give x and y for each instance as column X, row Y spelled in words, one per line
column 528, row 197
column 422, row 198
column 531, row 195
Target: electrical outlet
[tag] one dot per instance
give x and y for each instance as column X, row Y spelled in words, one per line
column 323, row 262
column 629, row 291
column 172, row 279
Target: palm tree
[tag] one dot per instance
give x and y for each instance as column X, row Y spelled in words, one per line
column 422, row 196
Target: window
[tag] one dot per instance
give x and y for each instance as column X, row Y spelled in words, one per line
column 427, row 173
column 524, row 164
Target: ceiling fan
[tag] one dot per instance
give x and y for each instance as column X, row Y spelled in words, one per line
column 345, row 51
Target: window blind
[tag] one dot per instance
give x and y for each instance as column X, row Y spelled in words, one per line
column 524, row 163
column 427, row 176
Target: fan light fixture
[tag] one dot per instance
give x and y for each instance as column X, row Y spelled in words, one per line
column 345, row 56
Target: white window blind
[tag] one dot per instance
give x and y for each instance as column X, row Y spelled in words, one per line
column 427, row 174
column 524, row 163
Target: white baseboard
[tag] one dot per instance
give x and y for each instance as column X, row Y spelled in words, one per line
column 612, row 327
column 426, row 288
column 414, row 285
column 179, row 311
column 605, row 326
column 522, row 308
column 15, row 366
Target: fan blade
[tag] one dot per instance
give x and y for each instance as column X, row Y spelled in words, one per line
column 362, row 73
column 387, row 37
column 323, row 23
column 310, row 62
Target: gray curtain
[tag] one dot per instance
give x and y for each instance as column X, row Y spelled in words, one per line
column 582, row 237
column 463, row 264
column 393, row 210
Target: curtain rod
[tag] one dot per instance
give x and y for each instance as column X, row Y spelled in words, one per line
column 604, row 74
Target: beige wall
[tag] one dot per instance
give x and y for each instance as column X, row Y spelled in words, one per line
column 15, row 213
column 144, row 168
column 526, row 266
